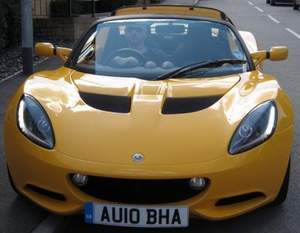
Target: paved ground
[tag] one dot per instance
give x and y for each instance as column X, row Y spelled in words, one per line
column 272, row 26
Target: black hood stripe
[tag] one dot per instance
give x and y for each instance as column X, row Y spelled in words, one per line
column 110, row 103
column 179, row 105
column 172, row 105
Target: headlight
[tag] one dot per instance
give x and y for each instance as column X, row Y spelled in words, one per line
column 34, row 123
column 257, row 127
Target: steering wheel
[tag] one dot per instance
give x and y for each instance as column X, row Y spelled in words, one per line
column 124, row 53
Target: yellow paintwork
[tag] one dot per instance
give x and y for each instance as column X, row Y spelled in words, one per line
column 47, row 50
column 277, row 53
column 177, row 146
column 99, row 143
column 44, row 49
column 171, row 10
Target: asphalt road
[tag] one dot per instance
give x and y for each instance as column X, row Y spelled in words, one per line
column 271, row 26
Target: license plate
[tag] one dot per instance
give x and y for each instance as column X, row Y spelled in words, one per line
column 136, row 216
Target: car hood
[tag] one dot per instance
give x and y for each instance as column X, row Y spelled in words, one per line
column 88, row 132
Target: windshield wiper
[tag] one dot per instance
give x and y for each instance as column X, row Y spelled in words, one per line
column 195, row 66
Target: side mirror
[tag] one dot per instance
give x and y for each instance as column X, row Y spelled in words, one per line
column 279, row 53
column 48, row 50
column 274, row 54
column 44, row 49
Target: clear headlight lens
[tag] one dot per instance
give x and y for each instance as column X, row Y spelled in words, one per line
column 34, row 122
column 257, row 127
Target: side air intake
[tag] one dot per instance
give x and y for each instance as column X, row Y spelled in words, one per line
column 110, row 103
column 179, row 105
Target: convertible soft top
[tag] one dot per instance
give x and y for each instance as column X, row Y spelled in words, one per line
column 174, row 10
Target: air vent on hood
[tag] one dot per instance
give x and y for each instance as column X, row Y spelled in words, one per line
column 111, row 103
column 179, row 105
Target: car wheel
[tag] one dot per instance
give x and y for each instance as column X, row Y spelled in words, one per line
column 12, row 182
column 268, row 1
column 284, row 189
column 296, row 6
column 273, row 2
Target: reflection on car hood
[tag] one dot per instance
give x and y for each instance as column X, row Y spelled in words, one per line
column 174, row 96
column 171, row 88
column 86, row 133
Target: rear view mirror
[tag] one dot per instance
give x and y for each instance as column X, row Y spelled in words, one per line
column 274, row 54
column 48, row 50
column 44, row 49
column 278, row 53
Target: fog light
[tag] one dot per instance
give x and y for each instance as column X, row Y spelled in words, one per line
column 80, row 180
column 198, row 183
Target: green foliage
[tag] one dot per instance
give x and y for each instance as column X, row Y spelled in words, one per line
column 9, row 23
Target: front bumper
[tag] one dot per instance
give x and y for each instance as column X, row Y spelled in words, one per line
column 258, row 171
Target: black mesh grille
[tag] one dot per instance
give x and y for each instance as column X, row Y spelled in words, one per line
column 179, row 105
column 120, row 104
column 139, row 191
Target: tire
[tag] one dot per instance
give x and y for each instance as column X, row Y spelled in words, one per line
column 273, row 2
column 296, row 6
column 268, row 1
column 281, row 197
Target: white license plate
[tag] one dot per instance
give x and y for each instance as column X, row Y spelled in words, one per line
column 136, row 216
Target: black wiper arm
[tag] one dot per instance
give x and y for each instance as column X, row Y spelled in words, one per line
column 195, row 66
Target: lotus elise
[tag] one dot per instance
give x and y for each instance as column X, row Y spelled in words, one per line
column 159, row 114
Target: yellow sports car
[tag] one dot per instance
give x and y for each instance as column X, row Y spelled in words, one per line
column 159, row 114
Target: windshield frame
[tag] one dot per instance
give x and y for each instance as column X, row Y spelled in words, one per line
column 78, row 46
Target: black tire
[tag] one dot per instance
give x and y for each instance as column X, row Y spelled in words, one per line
column 273, row 2
column 281, row 197
column 296, row 6
column 268, row 1
column 12, row 182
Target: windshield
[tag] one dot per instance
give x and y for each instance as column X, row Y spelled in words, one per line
column 150, row 48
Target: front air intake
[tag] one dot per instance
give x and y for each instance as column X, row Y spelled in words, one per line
column 45, row 192
column 110, row 103
column 240, row 198
column 179, row 105
column 137, row 191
